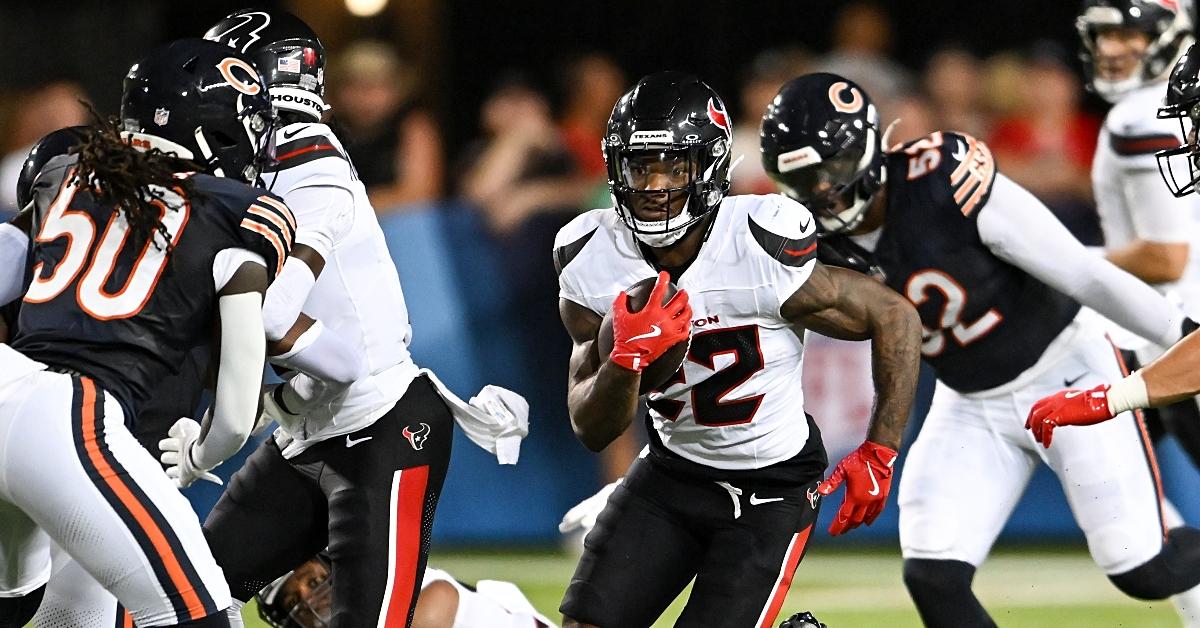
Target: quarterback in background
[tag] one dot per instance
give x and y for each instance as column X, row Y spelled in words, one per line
column 730, row 488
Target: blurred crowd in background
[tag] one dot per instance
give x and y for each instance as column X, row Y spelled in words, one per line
column 536, row 161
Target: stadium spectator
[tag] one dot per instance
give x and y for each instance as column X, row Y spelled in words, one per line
column 953, row 82
column 589, row 84
column 766, row 73
column 43, row 109
column 862, row 34
column 394, row 141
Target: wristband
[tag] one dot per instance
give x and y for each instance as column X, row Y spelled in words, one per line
column 1128, row 394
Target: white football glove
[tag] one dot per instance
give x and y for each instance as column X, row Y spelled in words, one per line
column 177, row 454
column 583, row 515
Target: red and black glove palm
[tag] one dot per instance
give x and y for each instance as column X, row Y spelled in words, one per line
column 867, row 473
column 639, row 338
column 1068, row 407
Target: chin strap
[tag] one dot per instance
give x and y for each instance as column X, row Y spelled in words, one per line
column 887, row 135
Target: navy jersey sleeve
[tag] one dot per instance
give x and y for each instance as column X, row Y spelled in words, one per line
column 259, row 221
column 951, row 171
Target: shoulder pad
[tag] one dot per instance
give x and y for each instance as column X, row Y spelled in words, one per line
column 571, row 239
column 261, row 221
column 956, row 164
column 298, row 144
column 785, row 229
column 1134, row 127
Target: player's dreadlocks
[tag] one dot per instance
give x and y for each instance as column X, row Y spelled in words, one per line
column 132, row 181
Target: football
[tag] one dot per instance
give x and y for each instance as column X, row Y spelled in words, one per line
column 660, row 370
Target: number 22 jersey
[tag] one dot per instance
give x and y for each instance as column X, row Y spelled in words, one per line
column 736, row 403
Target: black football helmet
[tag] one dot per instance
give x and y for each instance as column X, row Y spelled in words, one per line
column 55, row 143
column 201, row 101
column 822, row 146
column 279, row 609
column 677, row 120
column 287, row 52
column 1161, row 20
column 1183, row 103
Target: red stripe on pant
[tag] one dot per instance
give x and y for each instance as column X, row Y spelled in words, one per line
column 779, row 593
column 408, row 508
column 1147, row 446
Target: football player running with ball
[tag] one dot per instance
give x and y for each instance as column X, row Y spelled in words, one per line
column 998, row 283
column 729, row 491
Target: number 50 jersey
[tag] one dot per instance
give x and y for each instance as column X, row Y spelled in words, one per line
column 126, row 315
column 736, row 403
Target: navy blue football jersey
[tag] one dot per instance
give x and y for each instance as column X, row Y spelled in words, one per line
column 127, row 314
column 985, row 321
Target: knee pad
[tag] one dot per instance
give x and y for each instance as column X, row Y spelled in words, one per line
column 15, row 612
column 1175, row 569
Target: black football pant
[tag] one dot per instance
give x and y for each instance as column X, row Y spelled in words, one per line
column 659, row 530
column 369, row 496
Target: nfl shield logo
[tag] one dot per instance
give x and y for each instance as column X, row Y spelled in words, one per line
column 161, row 115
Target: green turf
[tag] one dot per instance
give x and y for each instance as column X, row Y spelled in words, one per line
column 1021, row 588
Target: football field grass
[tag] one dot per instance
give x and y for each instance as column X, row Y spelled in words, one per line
column 1055, row 588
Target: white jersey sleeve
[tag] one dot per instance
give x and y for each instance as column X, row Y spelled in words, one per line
column 568, row 244
column 787, row 233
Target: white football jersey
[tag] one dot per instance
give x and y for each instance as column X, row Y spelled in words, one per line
column 1131, row 198
column 358, row 294
column 737, row 402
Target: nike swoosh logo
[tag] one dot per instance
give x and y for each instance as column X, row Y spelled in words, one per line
column 350, row 442
column 654, row 332
column 804, row 225
column 1073, row 393
column 959, row 154
column 294, row 133
column 874, row 484
column 1067, row 383
column 756, row 500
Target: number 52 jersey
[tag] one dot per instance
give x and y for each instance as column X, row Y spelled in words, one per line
column 736, row 403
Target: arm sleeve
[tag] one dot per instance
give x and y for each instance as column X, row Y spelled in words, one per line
column 1020, row 230
column 228, row 261
column 286, row 297
column 323, row 354
column 1157, row 215
column 14, row 249
column 239, row 379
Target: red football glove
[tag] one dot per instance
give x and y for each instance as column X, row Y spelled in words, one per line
column 867, row 472
column 1067, row 407
column 639, row 338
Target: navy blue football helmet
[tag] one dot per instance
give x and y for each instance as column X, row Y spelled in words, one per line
column 822, row 146
column 201, row 101
column 55, row 143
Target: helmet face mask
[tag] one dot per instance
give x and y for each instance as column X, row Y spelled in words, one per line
column 667, row 154
column 1180, row 166
column 302, row 598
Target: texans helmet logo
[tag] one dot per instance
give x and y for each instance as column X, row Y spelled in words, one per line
column 719, row 117
column 417, row 439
